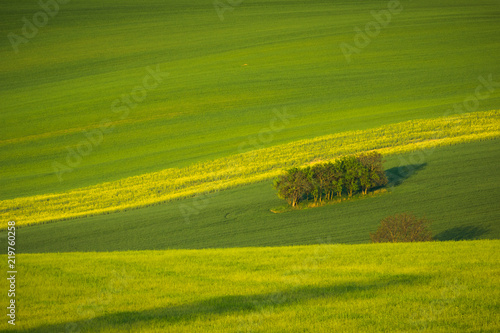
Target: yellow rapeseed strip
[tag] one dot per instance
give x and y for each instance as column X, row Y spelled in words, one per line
column 254, row 166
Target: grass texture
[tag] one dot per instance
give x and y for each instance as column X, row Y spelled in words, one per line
column 419, row 287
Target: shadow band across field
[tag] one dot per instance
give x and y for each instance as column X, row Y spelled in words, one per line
column 230, row 304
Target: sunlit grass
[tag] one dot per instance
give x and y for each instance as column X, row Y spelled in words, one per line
column 430, row 287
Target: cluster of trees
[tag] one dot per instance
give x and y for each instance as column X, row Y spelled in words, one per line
column 319, row 182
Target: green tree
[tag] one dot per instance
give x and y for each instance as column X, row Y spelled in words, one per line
column 372, row 171
column 335, row 179
column 315, row 185
column 293, row 185
column 365, row 179
column 352, row 169
column 402, row 228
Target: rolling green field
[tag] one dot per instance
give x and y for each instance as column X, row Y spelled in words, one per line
column 455, row 187
column 139, row 140
column 426, row 287
column 66, row 79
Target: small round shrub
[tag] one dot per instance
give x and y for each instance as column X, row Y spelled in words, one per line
column 404, row 227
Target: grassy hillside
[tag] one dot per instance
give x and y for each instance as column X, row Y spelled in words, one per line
column 169, row 118
column 454, row 186
column 167, row 185
column 67, row 78
column 425, row 287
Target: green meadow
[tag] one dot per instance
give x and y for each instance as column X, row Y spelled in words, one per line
column 425, row 287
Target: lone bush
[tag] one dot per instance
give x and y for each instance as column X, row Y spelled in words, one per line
column 402, row 228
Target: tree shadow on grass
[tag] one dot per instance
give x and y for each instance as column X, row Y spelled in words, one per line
column 397, row 175
column 224, row 305
column 467, row 232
